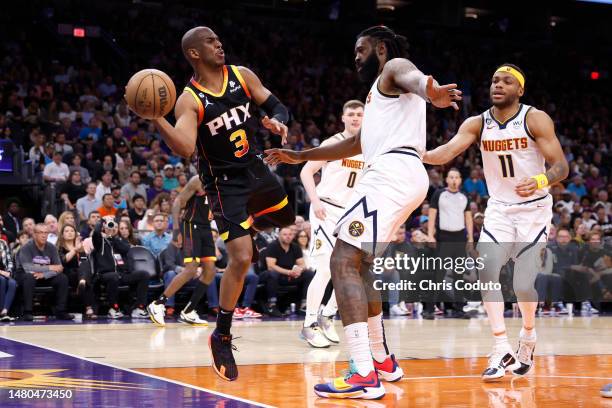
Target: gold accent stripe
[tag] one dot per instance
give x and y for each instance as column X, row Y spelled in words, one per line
column 276, row 207
column 208, row 91
column 224, row 236
column 247, row 223
column 199, row 102
column 241, row 80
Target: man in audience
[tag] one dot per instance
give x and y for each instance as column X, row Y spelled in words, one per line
column 85, row 205
column 12, row 217
column 160, row 238
column 39, row 264
column 108, row 206
column 137, row 212
column 72, row 190
column 51, row 223
column 134, row 187
column 105, row 186
column 156, row 188
column 56, row 171
column 92, row 221
column 118, row 201
column 28, row 226
column 170, row 182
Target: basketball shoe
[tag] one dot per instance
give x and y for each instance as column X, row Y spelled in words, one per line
column 502, row 359
column 192, row 318
column 388, row 370
column 221, row 350
column 352, row 386
column 525, row 356
column 326, row 323
column 314, row 336
column 157, row 313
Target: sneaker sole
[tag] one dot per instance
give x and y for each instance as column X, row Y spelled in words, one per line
column 330, row 339
column 369, row 393
column 212, row 359
column 203, row 324
column 390, row 377
column 311, row 344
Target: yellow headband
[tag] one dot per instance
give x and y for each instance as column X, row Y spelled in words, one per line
column 514, row 72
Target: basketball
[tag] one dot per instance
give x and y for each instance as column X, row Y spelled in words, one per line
column 150, row 93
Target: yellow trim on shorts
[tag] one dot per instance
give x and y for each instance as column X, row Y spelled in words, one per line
column 276, row 207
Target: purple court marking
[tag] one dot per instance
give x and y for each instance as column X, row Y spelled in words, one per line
column 26, row 368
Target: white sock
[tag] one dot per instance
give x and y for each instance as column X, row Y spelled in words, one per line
column 501, row 341
column 377, row 338
column 528, row 334
column 331, row 308
column 315, row 293
column 359, row 347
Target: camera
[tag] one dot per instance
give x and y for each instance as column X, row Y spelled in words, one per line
column 111, row 224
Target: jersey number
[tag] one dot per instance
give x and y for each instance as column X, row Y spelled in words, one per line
column 240, row 141
column 506, row 165
column 351, row 180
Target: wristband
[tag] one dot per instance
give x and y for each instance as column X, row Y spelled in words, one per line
column 541, row 180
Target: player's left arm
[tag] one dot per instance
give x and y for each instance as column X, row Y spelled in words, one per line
column 179, row 203
column 277, row 114
column 400, row 76
column 469, row 225
column 542, row 129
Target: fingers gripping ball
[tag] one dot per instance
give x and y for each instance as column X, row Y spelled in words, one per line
column 150, row 93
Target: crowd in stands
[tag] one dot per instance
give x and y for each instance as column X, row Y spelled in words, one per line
column 67, row 113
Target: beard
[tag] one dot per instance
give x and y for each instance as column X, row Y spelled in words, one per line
column 369, row 69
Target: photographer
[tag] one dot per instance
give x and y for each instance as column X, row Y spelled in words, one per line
column 109, row 259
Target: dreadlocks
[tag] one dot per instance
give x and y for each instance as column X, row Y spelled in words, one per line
column 397, row 45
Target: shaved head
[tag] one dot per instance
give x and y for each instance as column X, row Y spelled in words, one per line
column 195, row 43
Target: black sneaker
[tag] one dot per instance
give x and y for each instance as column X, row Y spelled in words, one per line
column 428, row 315
column 27, row 317
column 64, row 316
column 223, row 362
column 273, row 311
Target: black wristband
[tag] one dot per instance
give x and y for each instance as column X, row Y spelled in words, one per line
column 275, row 109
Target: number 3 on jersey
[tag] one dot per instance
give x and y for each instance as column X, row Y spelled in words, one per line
column 239, row 138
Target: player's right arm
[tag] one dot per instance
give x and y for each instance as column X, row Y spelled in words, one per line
column 181, row 138
column 468, row 133
column 351, row 146
column 179, row 203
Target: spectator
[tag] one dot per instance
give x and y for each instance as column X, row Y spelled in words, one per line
column 126, row 232
column 72, row 190
column 71, row 252
column 39, row 263
column 170, row 181
column 5, row 234
column 56, row 171
column 182, row 181
column 105, row 186
column 156, row 188
column 133, row 188
column 11, row 218
column 475, row 185
column 604, row 221
column 547, row 280
column 108, row 206
column 8, row 285
column 88, row 203
column 22, row 239
column 160, row 238
column 146, row 224
column 51, row 223
column 92, row 221
column 60, row 144
column 77, row 159
column 28, row 226
column 162, row 203
column 594, row 179
column 107, row 88
column 303, row 241
column 137, row 212
column 286, row 266
column 109, row 259
column 118, row 201
column 577, row 187
column 67, row 217
column 93, row 131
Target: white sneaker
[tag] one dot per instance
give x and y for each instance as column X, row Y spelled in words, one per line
column 314, row 336
column 192, row 318
column 326, row 323
column 139, row 313
column 525, row 356
column 502, row 359
column 587, row 308
column 402, row 305
column 114, row 314
column 397, row 311
column 157, row 313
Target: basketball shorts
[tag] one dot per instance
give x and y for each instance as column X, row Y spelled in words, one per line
column 389, row 190
column 322, row 239
column 240, row 195
column 198, row 245
column 515, row 228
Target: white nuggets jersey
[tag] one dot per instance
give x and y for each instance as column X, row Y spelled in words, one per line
column 338, row 177
column 391, row 122
column 509, row 154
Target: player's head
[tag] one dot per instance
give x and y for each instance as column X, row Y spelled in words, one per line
column 507, row 85
column 374, row 47
column 352, row 114
column 202, row 46
column 453, row 179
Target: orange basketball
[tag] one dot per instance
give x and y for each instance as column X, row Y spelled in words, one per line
column 150, row 93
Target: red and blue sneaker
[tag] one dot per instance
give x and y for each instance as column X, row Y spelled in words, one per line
column 388, row 370
column 352, row 386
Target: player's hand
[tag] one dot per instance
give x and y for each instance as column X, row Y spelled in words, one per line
column 276, row 156
column 526, row 187
column 319, row 211
column 275, row 127
column 442, row 96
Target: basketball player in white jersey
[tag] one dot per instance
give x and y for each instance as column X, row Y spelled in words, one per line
column 394, row 183
column 516, row 141
column 327, row 203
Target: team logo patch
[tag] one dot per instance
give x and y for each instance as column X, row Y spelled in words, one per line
column 356, row 229
column 488, row 121
column 517, row 124
column 318, row 244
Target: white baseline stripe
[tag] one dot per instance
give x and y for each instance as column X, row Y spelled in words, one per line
column 443, row 377
column 145, row 374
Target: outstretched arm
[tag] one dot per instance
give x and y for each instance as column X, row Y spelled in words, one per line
column 542, row 129
column 400, row 76
column 468, row 133
column 181, row 138
column 346, row 148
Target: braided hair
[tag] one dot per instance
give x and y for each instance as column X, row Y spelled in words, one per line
column 397, row 45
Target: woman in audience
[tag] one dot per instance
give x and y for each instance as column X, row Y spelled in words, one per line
column 162, row 203
column 8, row 285
column 127, row 233
column 146, row 224
column 66, row 218
column 303, row 241
column 70, row 251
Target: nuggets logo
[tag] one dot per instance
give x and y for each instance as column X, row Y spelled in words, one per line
column 356, row 229
column 318, row 244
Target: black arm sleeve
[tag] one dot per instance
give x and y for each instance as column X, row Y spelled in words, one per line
column 275, row 109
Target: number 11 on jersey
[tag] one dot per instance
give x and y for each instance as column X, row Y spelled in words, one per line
column 506, row 165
